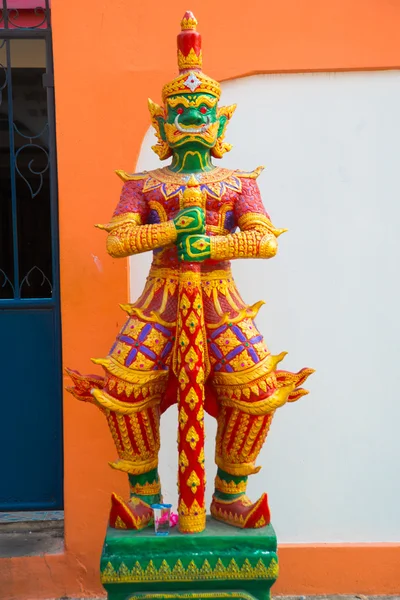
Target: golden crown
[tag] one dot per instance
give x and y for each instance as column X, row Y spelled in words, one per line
column 191, row 79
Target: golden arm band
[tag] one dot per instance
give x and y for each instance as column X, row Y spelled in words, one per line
column 257, row 239
column 128, row 236
column 245, row 244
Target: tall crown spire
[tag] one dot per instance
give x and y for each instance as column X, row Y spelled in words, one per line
column 191, row 78
column 189, row 44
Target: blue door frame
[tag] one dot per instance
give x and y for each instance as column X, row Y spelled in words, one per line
column 31, row 445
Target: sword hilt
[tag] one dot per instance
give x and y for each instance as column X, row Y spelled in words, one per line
column 193, row 195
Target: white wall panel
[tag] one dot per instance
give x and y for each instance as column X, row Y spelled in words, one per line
column 331, row 146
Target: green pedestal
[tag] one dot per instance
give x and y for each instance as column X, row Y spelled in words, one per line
column 221, row 562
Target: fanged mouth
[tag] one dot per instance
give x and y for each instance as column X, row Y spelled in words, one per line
column 201, row 129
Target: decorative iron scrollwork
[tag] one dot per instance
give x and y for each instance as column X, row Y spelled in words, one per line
column 31, row 169
column 26, row 281
column 9, row 17
column 39, row 172
column 29, row 166
column 4, row 280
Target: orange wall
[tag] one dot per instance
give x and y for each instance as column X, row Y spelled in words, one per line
column 109, row 57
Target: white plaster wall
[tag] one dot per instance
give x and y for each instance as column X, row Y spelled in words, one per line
column 331, row 146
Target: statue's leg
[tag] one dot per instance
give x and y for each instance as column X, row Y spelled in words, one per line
column 248, row 394
column 136, row 380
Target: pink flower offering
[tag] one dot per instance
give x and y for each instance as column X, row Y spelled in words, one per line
column 173, row 519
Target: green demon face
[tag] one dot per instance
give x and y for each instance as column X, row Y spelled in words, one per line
column 192, row 119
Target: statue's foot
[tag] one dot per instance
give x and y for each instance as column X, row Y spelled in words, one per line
column 242, row 512
column 134, row 514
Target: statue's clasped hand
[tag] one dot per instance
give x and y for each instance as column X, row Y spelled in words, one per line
column 192, row 243
column 190, row 221
column 194, row 248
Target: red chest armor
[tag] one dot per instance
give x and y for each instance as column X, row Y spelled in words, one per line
column 220, row 215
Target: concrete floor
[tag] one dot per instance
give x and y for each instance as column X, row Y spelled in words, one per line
column 31, row 538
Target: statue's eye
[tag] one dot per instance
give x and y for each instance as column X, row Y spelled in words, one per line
column 203, row 110
column 179, row 110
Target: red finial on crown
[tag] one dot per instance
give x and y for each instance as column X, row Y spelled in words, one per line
column 189, row 44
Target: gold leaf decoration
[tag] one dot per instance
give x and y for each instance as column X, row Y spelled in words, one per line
column 191, row 573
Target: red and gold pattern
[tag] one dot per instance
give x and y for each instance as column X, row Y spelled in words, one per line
column 83, row 385
column 247, row 244
column 197, row 304
column 127, row 235
column 232, row 200
column 190, row 78
column 242, row 512
column 189, row 337
column 134, row 514
column 189, row 44
column 146, row 489
column 191, row 368
column 230, row 487
column 135, row 430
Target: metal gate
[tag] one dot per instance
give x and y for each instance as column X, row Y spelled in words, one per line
column 30, row 344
